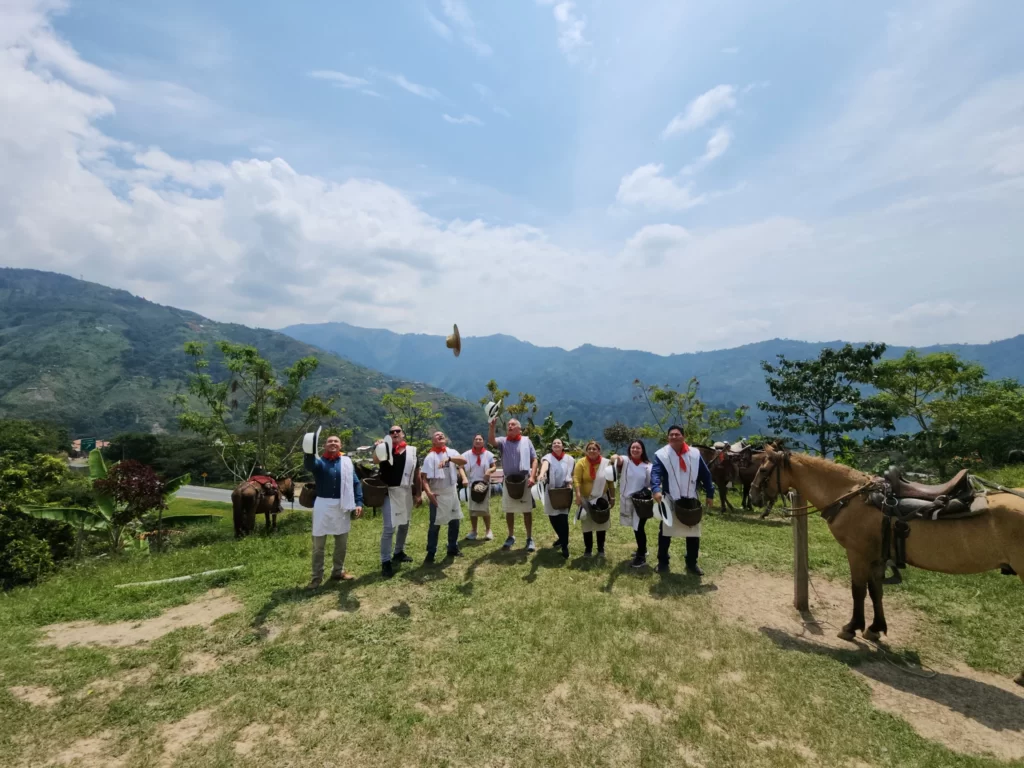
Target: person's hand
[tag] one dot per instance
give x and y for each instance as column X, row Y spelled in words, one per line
column 433, row 498
column 359, row 511
column 711, row 501
column 530, row 483
column 579, row 501
column 378, row 442
column 657, row 497
column 418, row 501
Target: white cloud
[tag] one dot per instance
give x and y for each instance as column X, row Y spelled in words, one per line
column 458, row 14
column 716, row 147
column 442, row 29
column 571, row 26
column 656, row 241
column 464, row 120
column 702, row 110
column 488, row 98
column 647, row 187
column 340, row 79
column 423, row 91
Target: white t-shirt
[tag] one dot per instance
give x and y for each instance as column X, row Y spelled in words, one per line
column 475, row 472
column 437, row 476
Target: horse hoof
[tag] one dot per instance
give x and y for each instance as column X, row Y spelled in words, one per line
column 870, row 634
column 845, row 634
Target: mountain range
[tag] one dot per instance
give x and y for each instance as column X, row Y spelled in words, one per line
column 101, row 361
column 595, row 385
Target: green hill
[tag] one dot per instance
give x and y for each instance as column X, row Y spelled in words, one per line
column 102, row 361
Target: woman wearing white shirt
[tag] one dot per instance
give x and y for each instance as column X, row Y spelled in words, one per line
column 440, row 484
column 634, row 475
column 556, row 472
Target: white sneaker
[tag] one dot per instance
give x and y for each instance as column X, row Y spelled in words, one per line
column 471, row 536
column 489, row 536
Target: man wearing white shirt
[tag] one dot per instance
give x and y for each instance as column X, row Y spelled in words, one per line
column 440, row 484
column 479, row 467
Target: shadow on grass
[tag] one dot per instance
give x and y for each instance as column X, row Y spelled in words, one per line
column 758, row 522
column 679, row 585
column 427, row 573
column 346, row 600
column 545, row 558
column 987, row 704
column 624, row 567
column 496, row 557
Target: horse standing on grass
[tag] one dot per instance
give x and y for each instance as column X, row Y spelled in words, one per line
column 259, row 496
column 989, row 541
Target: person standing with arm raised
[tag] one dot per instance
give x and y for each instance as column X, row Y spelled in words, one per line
column 399, row 473
column 676, row 473
column 518, row 456
column 338, row 494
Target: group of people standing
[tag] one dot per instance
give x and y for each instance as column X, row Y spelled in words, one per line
column 672, row 478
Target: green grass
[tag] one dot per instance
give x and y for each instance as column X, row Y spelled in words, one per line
column 496, row 659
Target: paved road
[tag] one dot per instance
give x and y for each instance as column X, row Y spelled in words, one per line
column 204, row 494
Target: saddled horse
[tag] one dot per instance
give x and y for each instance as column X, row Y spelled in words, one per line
column 724, row 470
column 252, row 497
column 991, row 540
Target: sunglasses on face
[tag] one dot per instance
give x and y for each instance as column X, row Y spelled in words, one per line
column 395, row 432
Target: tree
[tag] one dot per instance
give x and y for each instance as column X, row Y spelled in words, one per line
column 820, row 397
column 955, row 411
column 20, row 440
column 416, row 418
column 670, row 406
column 269, row 402
column 522, row 411
column 550, row 430
column 619, row 435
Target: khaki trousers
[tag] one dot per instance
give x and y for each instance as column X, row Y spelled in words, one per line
column 340, row 547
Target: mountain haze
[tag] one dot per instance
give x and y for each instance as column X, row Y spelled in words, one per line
column 101, row 361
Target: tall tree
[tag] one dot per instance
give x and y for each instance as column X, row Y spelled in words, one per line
column 270, row 402
column 685, row 407
column 522, row 411
column 820, row 397
column 416, row 417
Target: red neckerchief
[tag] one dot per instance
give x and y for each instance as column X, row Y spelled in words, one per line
column 443, row 449
column 396, row 449
column 331, row 455
column 513, row 439
column 558, row 456
column 682, row 461
column 478, row 454
column 593, row 467
column 638, row 462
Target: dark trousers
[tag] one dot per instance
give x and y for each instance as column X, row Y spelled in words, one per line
column 434, row 530
column 561, row 525
column 692, row 547
column 641, row 538
column 588, row 541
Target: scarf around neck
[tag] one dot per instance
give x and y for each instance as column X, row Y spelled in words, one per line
column 331, row 455
column 682, row 460
column 593, row 466
column 478, row 454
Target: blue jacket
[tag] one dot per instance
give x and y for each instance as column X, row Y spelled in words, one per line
column 659, row 475
column 327, row 475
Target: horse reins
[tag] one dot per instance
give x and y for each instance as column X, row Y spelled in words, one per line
column 806, row 509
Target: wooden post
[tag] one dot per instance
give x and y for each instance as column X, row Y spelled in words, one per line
column 800, row 576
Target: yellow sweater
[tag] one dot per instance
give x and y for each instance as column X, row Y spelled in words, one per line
column 581, row 479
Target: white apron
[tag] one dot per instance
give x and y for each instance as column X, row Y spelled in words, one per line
column 401, row 496
column 559, row 476
column 333, row 517
column 680, row 485
column 597, row 491
column 632, row 478
column 477, row 474
column 443, row 484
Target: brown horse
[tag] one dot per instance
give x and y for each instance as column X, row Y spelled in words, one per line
column 724, row 470
column 251, row 498
column 990, row 541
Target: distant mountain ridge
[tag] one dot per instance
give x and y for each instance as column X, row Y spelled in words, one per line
column 597, row 382
column 101, row 361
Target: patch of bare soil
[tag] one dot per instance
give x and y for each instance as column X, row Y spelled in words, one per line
column 764, row 602
column 200, row 663
column 802, row 750
column 629, row 709
column 194, row 729
column 89, row 753
column 203, row 612
column 106, row 688
column 254, row 734
column 36, row 695
column 968, row 711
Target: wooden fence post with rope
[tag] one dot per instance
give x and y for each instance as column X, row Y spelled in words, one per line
column 800, row 556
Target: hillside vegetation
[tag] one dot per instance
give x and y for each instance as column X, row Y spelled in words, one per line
column 102, row 361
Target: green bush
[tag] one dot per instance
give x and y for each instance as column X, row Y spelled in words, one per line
column 24, row 556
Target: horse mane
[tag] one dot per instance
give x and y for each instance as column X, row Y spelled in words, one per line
column 851, row 473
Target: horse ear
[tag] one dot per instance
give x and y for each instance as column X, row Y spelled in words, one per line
column 770, row 449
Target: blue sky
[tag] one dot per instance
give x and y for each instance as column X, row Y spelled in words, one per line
column 668, row 176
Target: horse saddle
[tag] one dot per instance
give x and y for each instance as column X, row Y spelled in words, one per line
column 946, row 501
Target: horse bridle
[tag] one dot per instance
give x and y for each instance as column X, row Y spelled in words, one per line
column 777, row 469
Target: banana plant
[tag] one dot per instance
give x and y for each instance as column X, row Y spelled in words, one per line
column 111, row 517
column 548, row 431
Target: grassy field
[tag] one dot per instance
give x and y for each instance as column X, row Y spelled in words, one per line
column 494, row 659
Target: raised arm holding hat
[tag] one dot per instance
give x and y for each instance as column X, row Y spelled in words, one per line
column 339, row 494
column 677, row 472
column 400, row 473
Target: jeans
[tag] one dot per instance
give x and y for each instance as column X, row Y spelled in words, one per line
column 434, row 530
column 561, row 525
column 588, row 541
column 388, row 534
column 340, row 547
column 692, row 547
